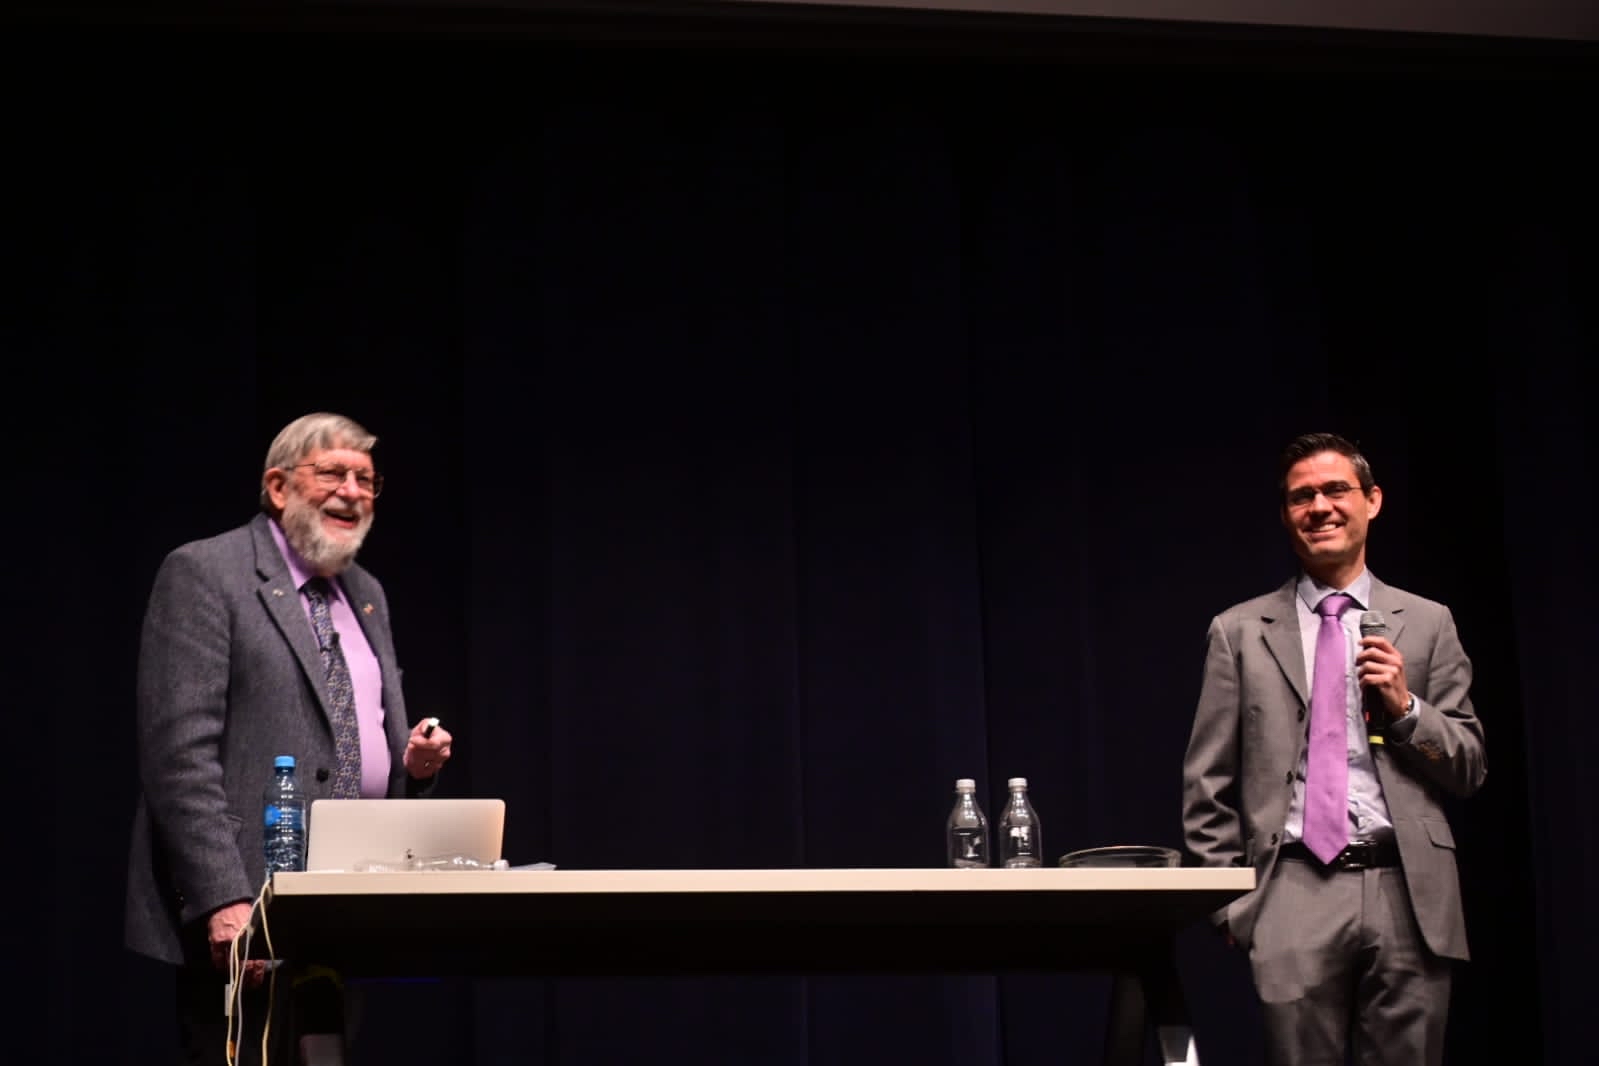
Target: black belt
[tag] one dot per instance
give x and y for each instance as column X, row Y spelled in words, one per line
column 1358, row 855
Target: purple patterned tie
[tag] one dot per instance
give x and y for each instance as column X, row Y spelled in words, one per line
column 341, row 693
column 1327, row 765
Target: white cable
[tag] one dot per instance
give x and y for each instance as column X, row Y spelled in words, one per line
column 271, row 965
column 238, row 965
column 237, row 953
column 233, row 1005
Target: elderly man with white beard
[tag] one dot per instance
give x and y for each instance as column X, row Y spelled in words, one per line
column 262, row 641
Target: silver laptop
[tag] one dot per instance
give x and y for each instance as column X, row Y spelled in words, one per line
column 399, row 834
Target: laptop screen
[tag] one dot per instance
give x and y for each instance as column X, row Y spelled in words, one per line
column 400, row 834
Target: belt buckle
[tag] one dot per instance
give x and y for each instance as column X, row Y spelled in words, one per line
column 1358, row 855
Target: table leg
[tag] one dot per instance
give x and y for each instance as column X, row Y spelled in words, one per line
column 1149, row 999
column 1128, row 1017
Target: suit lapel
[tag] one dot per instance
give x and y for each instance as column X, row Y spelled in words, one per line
column 282, row 602
column 1279, row 627
column 1393, row 611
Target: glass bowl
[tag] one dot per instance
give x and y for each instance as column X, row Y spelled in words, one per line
column 1123, row 855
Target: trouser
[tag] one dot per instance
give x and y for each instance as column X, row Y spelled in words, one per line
column 1340, row 964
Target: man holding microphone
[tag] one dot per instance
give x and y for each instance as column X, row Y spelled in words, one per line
column 1333, row 719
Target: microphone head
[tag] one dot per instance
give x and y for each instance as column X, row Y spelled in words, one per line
column 1372, row 624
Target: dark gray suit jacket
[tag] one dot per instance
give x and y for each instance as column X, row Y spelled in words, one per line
column 229, row 676
column 1249, row 734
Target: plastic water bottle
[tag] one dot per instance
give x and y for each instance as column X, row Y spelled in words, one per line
column 283, row 819
column 966, row 834
column 1021, row 839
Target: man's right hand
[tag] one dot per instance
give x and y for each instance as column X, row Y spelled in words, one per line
column 222, row 928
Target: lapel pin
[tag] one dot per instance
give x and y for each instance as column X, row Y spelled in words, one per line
column 277, row 592
column 366, row 608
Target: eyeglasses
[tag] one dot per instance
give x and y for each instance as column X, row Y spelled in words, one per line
column 1333, row 491
column 332, row 475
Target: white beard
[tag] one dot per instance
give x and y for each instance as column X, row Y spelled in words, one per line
column 327, row 553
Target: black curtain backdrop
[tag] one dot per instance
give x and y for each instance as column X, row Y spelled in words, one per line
column 774, row 436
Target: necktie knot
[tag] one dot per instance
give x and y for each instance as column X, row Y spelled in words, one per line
column 1335, row 605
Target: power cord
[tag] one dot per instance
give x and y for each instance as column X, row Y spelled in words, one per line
column 238, row 959
column 238, row 965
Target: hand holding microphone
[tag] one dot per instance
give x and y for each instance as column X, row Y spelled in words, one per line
column 1381, row 669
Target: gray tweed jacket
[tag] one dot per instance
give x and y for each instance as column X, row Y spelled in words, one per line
column 229, row 676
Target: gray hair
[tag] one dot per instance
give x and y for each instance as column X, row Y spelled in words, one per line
column 305, row 435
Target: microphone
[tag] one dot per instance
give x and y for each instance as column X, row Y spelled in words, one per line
column 1372, row 624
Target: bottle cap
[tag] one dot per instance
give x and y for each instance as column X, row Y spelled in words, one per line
column 1017, row 782
column 965, row 784
column 283, row 760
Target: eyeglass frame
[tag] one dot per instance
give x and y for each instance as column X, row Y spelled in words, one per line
column 373, row 490
column 1334, row 491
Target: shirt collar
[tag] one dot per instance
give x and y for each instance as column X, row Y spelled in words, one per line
column 1312, row 592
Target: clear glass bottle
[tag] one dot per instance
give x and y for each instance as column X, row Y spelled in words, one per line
column 283, row 819
column 966, row 832
column 1021, row 838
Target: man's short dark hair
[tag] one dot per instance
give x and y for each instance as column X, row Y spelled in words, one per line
column 1307, row 444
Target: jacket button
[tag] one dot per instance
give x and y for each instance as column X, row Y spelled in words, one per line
column 1301, row 714
column 1274, row 838
column 1288, row 778
column 322, row 775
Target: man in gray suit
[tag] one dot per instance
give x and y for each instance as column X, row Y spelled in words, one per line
column 1353, row 939
column 231, row 674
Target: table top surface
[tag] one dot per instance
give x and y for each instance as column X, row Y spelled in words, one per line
column 869, row 881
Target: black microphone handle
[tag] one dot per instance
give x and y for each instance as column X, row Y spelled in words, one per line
column 1372, row 624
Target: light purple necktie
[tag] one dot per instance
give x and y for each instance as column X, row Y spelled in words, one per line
column 1327, row 765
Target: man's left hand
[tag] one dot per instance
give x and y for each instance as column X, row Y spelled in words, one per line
column 427, row 749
